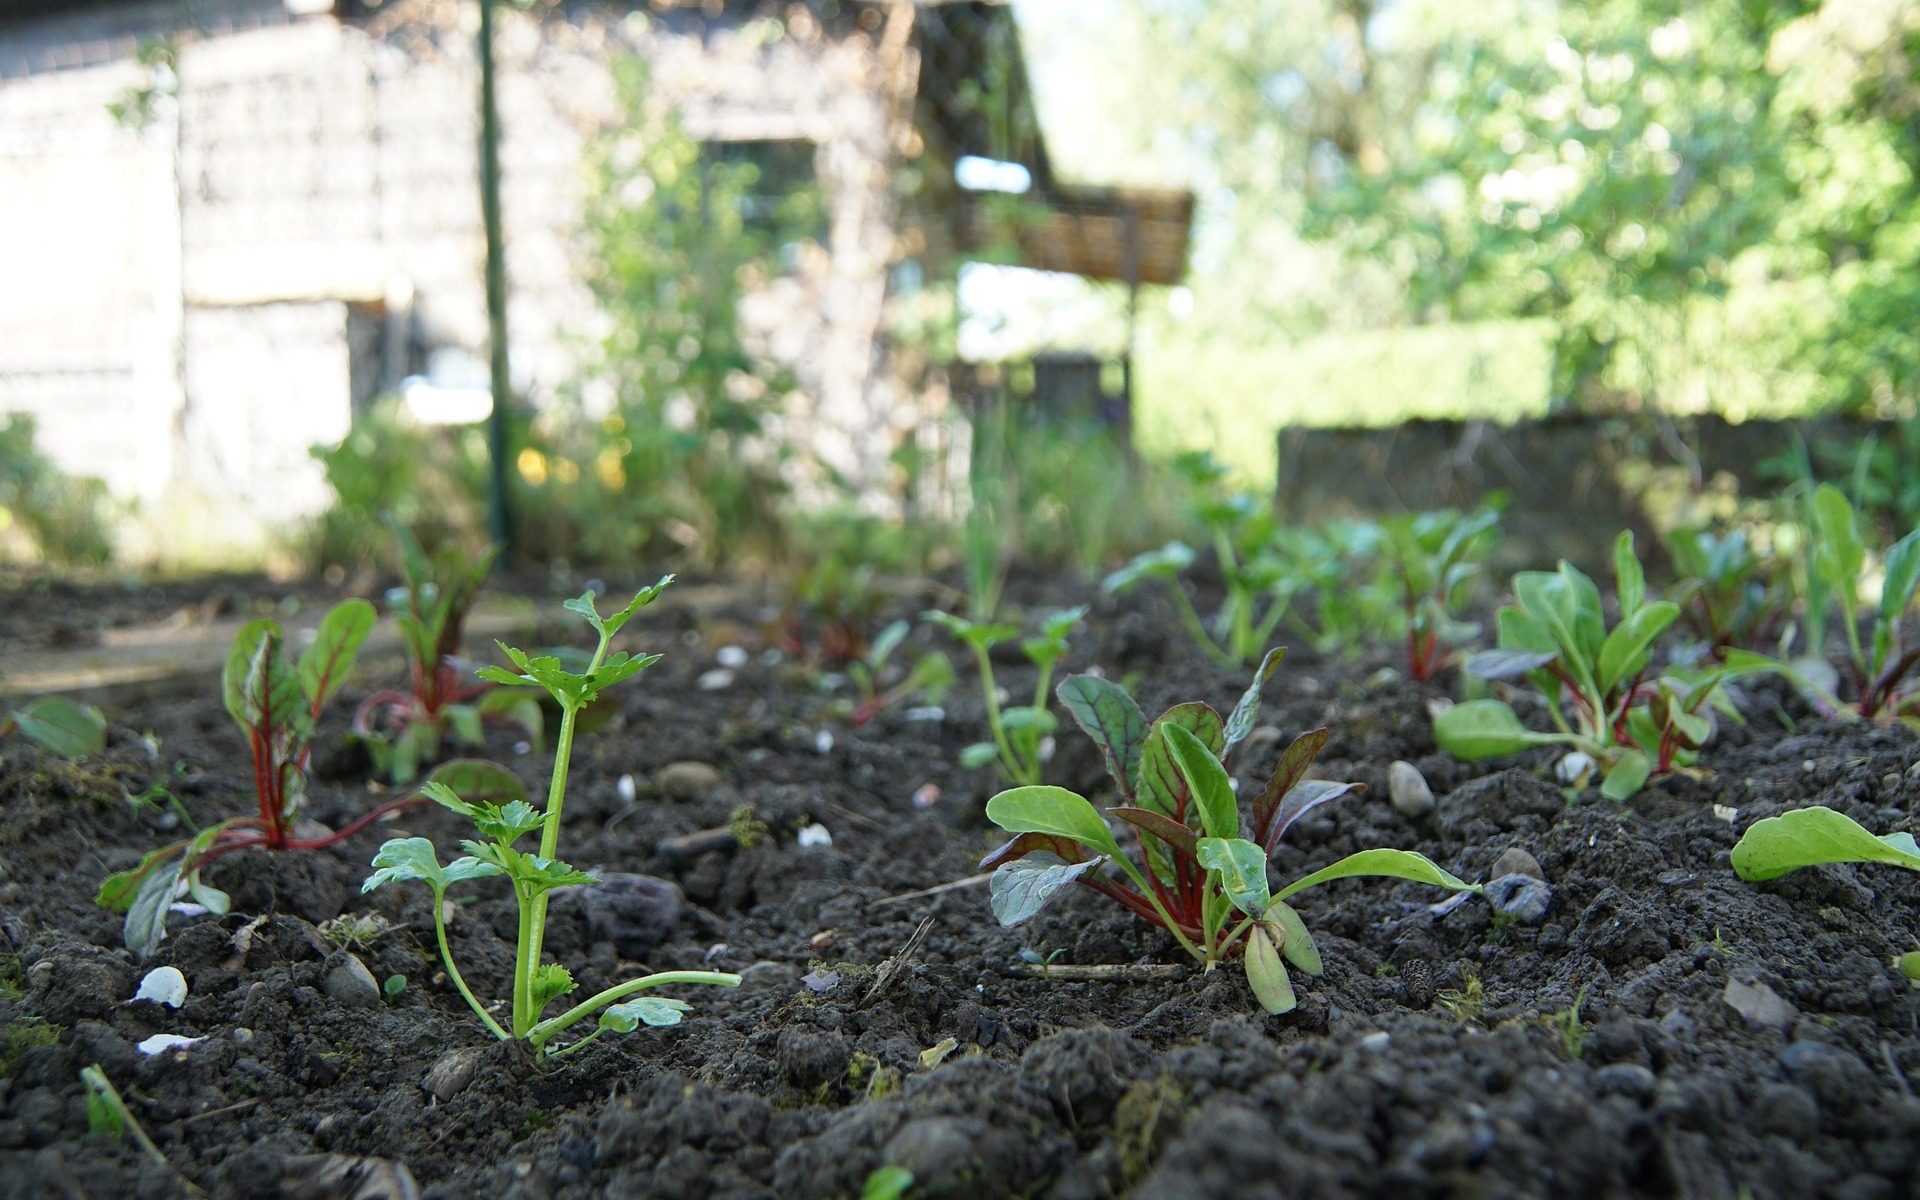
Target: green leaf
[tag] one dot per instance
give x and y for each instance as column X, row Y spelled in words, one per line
column 325, row 664
column 1839, row 554
column 1809, row 837
column 413, row 860
column 116, row 891
column 1296, row 944
column 1240, row 721
column 1021, row 888
column 1166, row 563
column 887, row 1183
column 1242, row 867
column 1483, row 729
column 641, row 599
column 1052, row 810
column 548, row 983
column 1628, row 774
column 1390, row 864
column 478, row 781
column 1267, row 974
column 978, row 755
column 981, row 637
column 1629, row 580
column 1625, row 652
column 1902, row 578
column 240, row 656
column 1025, row 718
column 1161, row 785
column 1208, row 785
column 655, row 1011
column 146, row 924
column 67, row 728
column 1105, row 712
column 886, row 642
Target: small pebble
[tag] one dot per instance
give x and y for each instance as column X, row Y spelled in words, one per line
column 163, row 985
column 1408, row 789
column 1522, row 897
column 627, row 788
column 1625, row 1079
column 927, row 713
column 1375, row 1042
column 351, row 984
column 821, row 981
column 820, row 942
column 812, row 835
column 926, row 795
column 1763, row 1007
column 823, row 742
column 731, row 657
column 160, row 1043
column 1574, row 768
column 1515, row 861
column 452, row 1072
column 717, row 680
column 687, row 780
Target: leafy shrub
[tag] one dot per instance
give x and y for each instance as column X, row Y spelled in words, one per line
column 65, row 517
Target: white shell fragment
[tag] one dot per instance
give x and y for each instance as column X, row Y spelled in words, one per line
column 815, row 834
column 160, row 1043
column 163, row 985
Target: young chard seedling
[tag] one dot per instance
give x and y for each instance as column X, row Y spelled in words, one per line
column 1018, row 734
column 929, row 679
column 1883, row 670
column 403, row 729
column 1202, row 869
column 277, row 704
column 533, row 876
column 1594, row 679
column 1435, row 557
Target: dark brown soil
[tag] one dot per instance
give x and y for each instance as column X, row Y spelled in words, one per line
column 1435, row 1058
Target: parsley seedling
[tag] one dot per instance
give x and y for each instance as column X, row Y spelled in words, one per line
column 536, row 983
column 1018, row 734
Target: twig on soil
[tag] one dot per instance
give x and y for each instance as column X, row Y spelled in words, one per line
column 692, row 845
column 1893, row 1065
column 220, row 1112
column 937, row 889
column 894, row 967
column 1097, row 972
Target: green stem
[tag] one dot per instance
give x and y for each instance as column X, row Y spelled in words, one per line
column 1197, row 627
column 1008, row 762
column 453, row 971
column 542, row 1033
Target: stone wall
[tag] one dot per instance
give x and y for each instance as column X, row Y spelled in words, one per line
column 1573, row 483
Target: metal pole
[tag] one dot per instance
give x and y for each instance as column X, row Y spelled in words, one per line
column 498, row 421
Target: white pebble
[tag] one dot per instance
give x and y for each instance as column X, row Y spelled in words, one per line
column 823, row 742
column 163, row 985
column 715, row 680
column 627, row 788
column 731, row 657
column 1574, row 768
column 813, row 835
column 160, row 1043
column 927, row 712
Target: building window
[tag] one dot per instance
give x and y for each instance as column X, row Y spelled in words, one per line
column 775, row 185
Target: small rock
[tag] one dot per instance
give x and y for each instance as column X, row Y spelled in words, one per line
column 163, row 985
column 823, row 742
column 1574, row 769
column 346, row 1177
column 1890, row 782
column 1375, row 1042
column 717, row 680
column 1763, row 1007
column 687, row 780
column 812, row 835
column 926, row 795
column 627, row 788
column 808, row 1058
column 821, row 981
column 1523, row 898
column 635, row 914
column 731, row 657
column 1625, row 1079
column 351, row 984
column 926, row 713
column 160, row 1043
column 938, row 1149
column 1408, row 789
column 768, row 976
column 452, row 1072
column 1515, row 861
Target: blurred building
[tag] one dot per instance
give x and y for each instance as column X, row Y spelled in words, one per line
column 227, row 225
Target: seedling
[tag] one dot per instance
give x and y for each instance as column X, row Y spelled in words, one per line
column 68, row 728
column 1883, row 670
column 1202, row 869
column 1729, row 596
column 1019, row 734
column 1594, row 679
column 533, row 876
column 839, row 592
column 277, row 704
column 404, row 728
column 1434, row 560
column 1260, row 584
column 1331, row 563
column 931, row 676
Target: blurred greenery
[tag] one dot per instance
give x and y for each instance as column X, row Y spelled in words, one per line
column 1691, row 206
column 61, row 518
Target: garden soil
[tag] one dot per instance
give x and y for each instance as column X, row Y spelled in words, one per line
column 1664, row 1030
